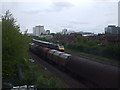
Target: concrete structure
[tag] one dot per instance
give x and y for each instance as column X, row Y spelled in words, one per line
column 64, row 31
column 112, row 29
column 47, row 31
column 38, row 30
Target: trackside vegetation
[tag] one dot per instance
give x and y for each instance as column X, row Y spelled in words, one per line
column 95, row 48
column 16, row 68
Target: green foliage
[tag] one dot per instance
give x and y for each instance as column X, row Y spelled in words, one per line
column 52, row 34
column 94, row 47
column 39, row 77
column 15, row 51
column 14, row 46
column 48, row 83
column 14, row 43
column 81, row 39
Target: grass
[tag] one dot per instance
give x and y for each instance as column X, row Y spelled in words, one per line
column 33, row 75
column 39, row 77
column 93, row 57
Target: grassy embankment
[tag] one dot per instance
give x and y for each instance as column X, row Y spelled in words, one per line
column 39, row 77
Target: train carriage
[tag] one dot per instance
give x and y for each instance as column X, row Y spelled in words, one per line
column 48, row 45
column 64, row 59
column 56, row 56
column 50, row 54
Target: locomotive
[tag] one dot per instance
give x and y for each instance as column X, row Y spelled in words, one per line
column 58, row 47
column 100, row 74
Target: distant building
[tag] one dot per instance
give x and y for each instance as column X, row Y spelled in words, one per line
column 112, row 29
column 75, row 34
column 47, row 31
column 38, row 30
column 69, row 32
column 34, row 31
column 87, row 34
column 30, row 34
column 64, row 31
column 118, row 27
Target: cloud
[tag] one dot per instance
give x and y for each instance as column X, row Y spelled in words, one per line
column 67, row 26
column 53, row 7
column 106, row 0
column 59, row 6
column 79, row 23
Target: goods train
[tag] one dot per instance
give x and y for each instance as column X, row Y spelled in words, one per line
column 58, row 47
column 102, row 75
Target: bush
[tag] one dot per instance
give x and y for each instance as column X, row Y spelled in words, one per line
column 14, row 47
column 92, row 47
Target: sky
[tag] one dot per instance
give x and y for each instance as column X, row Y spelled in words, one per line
column 55, row 15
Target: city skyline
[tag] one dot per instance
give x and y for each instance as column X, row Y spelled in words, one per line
column 91, row 16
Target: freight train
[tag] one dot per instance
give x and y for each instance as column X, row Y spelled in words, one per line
column 58, row 47
column 101, row 75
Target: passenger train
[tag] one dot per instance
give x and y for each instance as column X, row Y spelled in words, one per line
column 58, row 47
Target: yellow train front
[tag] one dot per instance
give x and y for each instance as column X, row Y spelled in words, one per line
column 60, row 47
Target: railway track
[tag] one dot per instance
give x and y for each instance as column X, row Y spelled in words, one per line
column 96, row 66
column 90, row 73
column 67, row 78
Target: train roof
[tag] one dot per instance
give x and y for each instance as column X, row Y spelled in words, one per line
column 39, row 41
column 65, row 55
column 58, row 53
column 52, row 51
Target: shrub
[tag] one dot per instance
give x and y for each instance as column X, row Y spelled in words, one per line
column 14, row 46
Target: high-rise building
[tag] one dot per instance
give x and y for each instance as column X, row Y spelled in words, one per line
column 112, row 29
column 34, row 31
column 38, row 30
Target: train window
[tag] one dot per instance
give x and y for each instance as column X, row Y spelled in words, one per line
column 61, row 46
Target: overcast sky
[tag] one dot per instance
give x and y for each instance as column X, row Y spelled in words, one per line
column 55, row 15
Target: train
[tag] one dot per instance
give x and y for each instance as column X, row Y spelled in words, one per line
column 101, row 75
column 50, row 45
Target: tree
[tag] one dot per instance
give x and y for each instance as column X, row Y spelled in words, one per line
column 14, row 45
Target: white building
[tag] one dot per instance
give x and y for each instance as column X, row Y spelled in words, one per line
column 38, row 30
column 64, row 31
